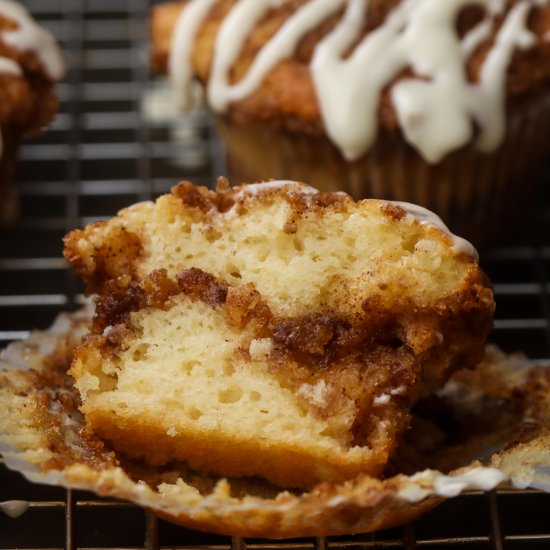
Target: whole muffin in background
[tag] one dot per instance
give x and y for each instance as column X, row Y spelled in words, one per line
column 30, row 63
column 444, row 104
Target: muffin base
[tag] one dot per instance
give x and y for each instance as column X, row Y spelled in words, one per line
column 45, row 439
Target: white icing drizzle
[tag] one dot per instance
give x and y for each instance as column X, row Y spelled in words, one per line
column 14, row 508
column 429, row 482
column 490, row 109
column 288, row 185
column 382, row 399
column 179, row 60
column 231, row 38
column 427, row 217
column 9, row 66
column 436, row 112
column 385, row 398
column 477, row 478
column 29, row 36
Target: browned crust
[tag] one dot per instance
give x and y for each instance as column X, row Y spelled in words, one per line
column 287, row 99
column 209, row 454
column 114, row 259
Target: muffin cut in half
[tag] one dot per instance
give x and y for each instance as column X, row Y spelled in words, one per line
column 271, row 330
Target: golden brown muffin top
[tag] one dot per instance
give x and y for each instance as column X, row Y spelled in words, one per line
column 288, row 97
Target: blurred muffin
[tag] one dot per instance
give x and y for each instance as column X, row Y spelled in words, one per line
column 444, row 104
column 271, row 330
column 30, row 63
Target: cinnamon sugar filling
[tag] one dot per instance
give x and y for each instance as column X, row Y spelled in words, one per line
column 358, row 356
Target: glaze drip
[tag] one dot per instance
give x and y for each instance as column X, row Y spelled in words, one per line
column 229, row 43
column 14, row 508
column 437, row 111
column 29, row 36
column 427, row 217
column 179, row 62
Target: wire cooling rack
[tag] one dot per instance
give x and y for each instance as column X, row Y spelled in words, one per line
column 115, row 143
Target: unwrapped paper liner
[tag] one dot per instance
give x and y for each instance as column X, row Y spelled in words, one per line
column 34, row 426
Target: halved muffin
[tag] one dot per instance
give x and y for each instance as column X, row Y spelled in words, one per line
column 271, row 330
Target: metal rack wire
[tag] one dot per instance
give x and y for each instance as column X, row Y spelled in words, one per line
column 104, row 152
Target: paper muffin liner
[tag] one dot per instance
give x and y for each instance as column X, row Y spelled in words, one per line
column 43, row 436
column 478, row 195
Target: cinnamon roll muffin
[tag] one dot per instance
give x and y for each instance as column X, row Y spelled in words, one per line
column 271, row 330
column 444, row 104
column 30, row 64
